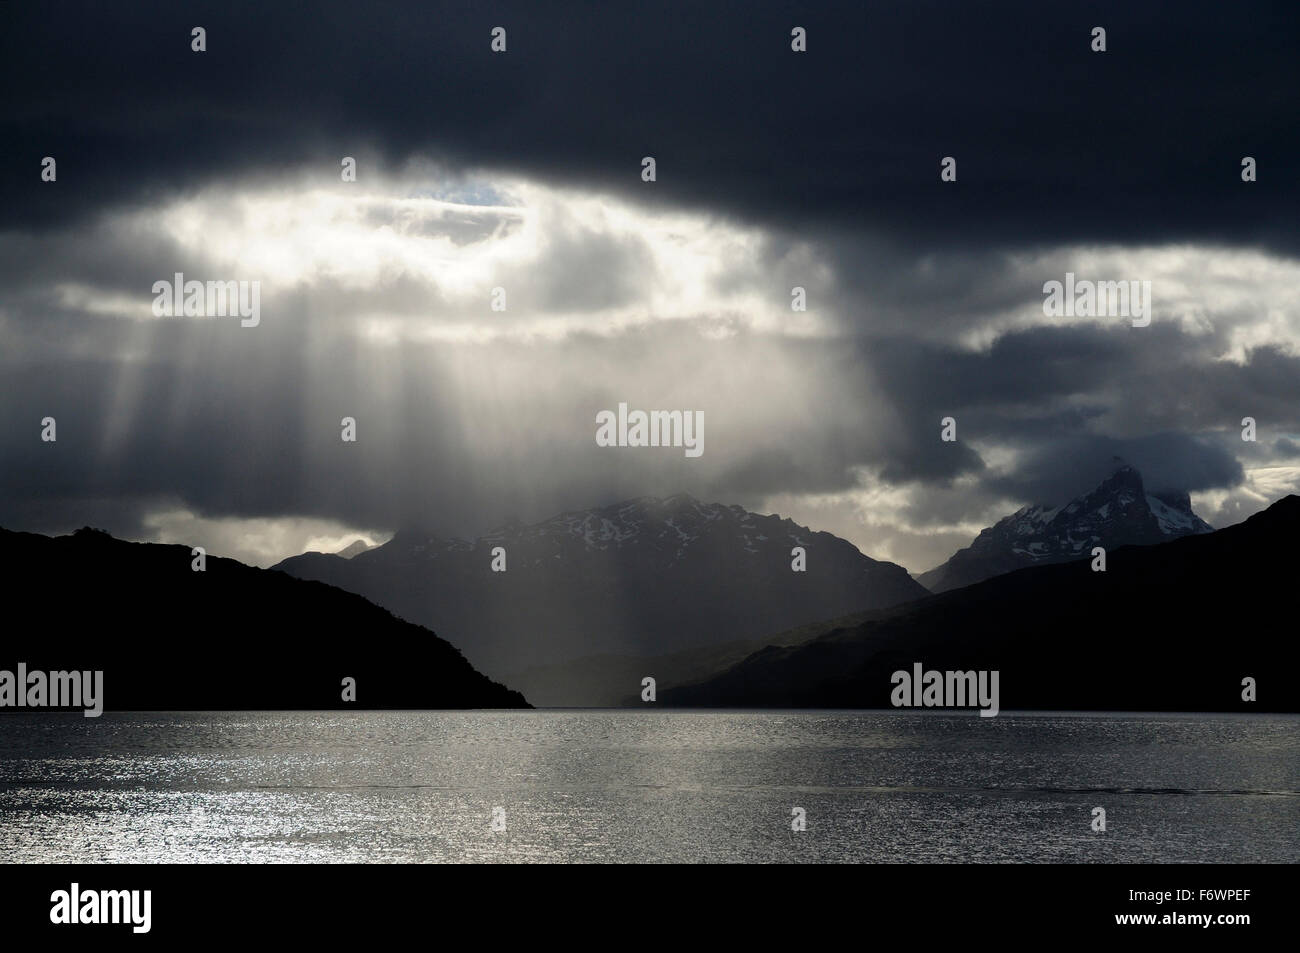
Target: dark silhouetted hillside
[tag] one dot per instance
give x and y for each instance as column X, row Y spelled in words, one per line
column 614, row 681
column 1170, row 627
column 233, row 637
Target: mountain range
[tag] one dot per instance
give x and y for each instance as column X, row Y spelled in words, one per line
column 1119, row 512
column 1170, row 627
column 700, row 596
column 642, row 577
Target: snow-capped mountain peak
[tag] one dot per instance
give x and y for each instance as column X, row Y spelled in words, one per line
column 1118, row 512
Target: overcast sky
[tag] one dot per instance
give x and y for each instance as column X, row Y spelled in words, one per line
column 522, row 170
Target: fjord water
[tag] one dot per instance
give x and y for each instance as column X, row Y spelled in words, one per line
column 648, row 786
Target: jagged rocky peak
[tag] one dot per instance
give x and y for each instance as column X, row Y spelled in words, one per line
column 1119, row 511
column 1180, row 500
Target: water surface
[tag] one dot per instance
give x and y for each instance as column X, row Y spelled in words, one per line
column 647, row 786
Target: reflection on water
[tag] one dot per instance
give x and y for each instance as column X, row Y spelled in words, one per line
column 647, row 786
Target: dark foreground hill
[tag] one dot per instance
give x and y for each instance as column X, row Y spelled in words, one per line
column 232, row 637
column 1171, row 627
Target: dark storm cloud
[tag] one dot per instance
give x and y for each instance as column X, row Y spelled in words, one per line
column 1056, row 470
column 1055, row 143
column 1040, row 381
column 1069, row 402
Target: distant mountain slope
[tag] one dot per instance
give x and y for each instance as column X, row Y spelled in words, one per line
column 1119, row 512
column 232, row 637
column 614, row 681
column 642, row 577
column 1172, row 627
